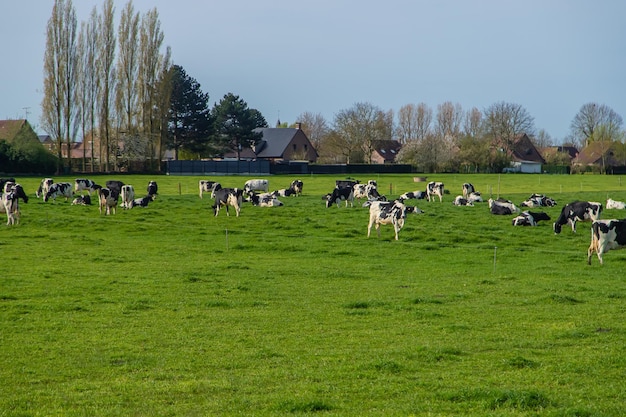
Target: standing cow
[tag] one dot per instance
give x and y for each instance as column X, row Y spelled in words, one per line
column 225, row 197
column 388, row 212
column 256, row 185
column 44, row 186
column 59, row 189
column 434, row 189
column 606, row 235
column 206, row 186
column 128, row 195
column 85, row 184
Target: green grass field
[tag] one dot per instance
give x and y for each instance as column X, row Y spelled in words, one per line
column 170, row 311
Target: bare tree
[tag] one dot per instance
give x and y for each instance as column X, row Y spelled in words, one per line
column 315, row 127
column 449, row 119
column 504, row 122
column 408, row 123
column 542, row 139
column 584, row 127
column 472, row 123
column 106, row 61
column 60, row 77
column 127, row 69
column 360, row 127
column 424, row 121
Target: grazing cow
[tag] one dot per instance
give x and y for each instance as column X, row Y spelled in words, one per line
column 256, row 185
column 418, row 195
column 468, row 188
column 577, row 211
column 283, row 192
column 227, row 197
column 265, row 200
column 502, row 207
column 59, row 189
column 205, row 186
column 388, row 212
column 434, row 189
column 297, row 185
column 459, row 200
column 128, row 195
column 538, row 200
column 529, row 218
column 142, row 202
column 44, row 186
column 153, row 188
column 606, row 235
column 84, row 184
column 108, row 200
column 115, row 186
column 338, row 195
column 82, row 200
column 475, row 197
column 612, row 204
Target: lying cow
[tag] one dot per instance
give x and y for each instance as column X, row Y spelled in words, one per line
column 475, row 197
column 297, row 185
column 388, row 212
column 613, row 204
column 606, row 235
column 205, row 186
column 265, row 200
column 225, row 197
column 529, row 218
column 418, row 195
column 502, row 206
column 143, row 201
column 538, row 200
column 284, row 192
column 82, row 200
column 153, row 188
column 256, row 185
column 59, row 189
column 434, row 189
column 577, row 211
column 459, row 200
column 338, row 195
column 84, row 184
column 44, row 186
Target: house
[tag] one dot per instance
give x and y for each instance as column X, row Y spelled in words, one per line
column 524, row 155
column 561, row 153
column 385, row 151
column 280, row 145
column 17, row 130
column 601, row 154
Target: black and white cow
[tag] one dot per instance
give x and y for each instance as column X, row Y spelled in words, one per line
column 577, row 211
column 128, row 195
column 82, row 200
column 388, row 212
column 206, row 186
column 614, row 204
column 283, row 192
column 297, row 185
column 85, row 184
column 338, row 195
column 265, row 200
column 4, row 181
column 538, row 200
column 605, row 236
column 153, row 189
column 459, row 200
column 44, row 186
column 256, row 185
column 9, row 202
column 502, row 207
column 468, row 188
column 418, row 195
column 475, row 197
column 59, row 189
column 108, row 200
column 227, row 197
column 434, row 189
column 115, row 186
column 529, row 218
column 367, row 191
column 142, row 202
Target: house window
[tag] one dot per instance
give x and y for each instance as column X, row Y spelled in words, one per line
column 294, row 147
column 306, row 147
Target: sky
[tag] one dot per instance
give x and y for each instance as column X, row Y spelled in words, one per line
column 286, row 57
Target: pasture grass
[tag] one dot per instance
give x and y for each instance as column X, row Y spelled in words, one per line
column 168, row 310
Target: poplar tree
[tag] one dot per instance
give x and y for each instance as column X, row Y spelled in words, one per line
column 106, row 75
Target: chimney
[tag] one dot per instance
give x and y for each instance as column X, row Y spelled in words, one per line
column 298, row 125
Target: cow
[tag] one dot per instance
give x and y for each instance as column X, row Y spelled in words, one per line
column 338, row 195
column 205, row 186
column 606, row 235
column 418, row 195
column 367, row 191
column 613, row 204
column 459, row 200
column 529, row 218
column 82, row 200
column 108, row 200
column 538, row 200
column 227, row 197
column 153, row 188
column 85, row 184
column 115, row 186
column 296, row 185
column 434, row 189
column 577, row 211
column 345, row 183
column 265, row 200
column 142, row 202
column 468, row 188
column 128, row 195
column 388, row 212
column 256, row 185
column 502, row 207
column 9, row 202
column 59, row 189
column 4, row 181
column 475, row 197
column 44, row 186
column 283, row 192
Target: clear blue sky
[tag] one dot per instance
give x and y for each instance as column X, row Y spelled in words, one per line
column 285, row 57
